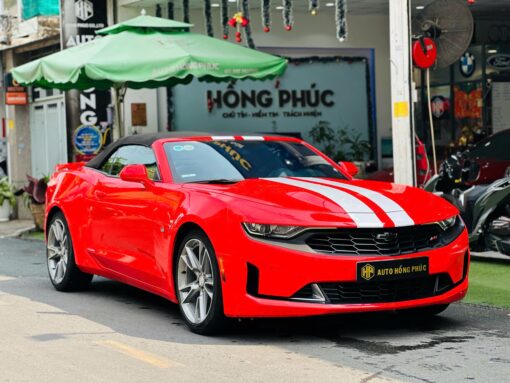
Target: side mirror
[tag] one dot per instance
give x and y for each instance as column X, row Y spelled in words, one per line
column 349, row 168
column 135, row 173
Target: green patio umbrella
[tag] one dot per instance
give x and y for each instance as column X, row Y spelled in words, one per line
column 147, row 52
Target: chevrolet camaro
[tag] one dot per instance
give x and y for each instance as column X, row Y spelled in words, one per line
column 251, row 226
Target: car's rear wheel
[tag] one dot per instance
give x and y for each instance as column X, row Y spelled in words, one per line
column 198, row 284
column 62, row 269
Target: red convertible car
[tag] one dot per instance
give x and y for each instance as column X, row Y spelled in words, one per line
column 251, row 226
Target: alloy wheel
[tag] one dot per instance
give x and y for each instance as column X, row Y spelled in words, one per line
column 195, row 281
column 57, row 251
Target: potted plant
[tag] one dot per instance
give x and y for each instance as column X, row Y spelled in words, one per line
column 7, row 199
column 341, row 144
column 34, row 196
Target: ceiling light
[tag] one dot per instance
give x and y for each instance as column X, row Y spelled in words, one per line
column 232, row 1
column 329, row 4
column 420, row 6
column 215, row 5
column 491, row 51
column 279, row 7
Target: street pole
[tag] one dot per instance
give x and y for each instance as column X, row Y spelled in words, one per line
column 401, row 92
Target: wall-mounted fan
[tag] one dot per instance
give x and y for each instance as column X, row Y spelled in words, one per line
column 442, row 33
column 449, row 24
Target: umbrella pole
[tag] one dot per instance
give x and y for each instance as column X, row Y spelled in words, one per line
column 118, row 95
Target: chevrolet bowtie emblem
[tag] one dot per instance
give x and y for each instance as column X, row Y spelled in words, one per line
column 386, row 237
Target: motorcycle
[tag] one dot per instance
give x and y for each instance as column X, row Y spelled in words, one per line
column 485, row 209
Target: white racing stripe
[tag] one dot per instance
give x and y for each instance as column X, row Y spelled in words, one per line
column 217, row 138
column 396, row 213
column 253, row 138
column 359, row 212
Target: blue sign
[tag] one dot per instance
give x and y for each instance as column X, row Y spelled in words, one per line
column 499, row 61
column 88, row 140
column 332, row 93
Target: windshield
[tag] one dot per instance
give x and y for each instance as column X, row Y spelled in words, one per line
column 202, row 161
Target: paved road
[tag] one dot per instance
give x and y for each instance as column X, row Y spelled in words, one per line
column 116, row 333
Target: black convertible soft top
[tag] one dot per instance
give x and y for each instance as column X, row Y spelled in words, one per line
column 147, row 139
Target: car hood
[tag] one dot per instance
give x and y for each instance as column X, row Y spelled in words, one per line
column 327, row 202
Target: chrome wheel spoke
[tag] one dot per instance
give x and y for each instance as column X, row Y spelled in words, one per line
column 53, row 271
column 53, row 252
column 202, row 305
column 202, row 254
column 192, row 261
column 59, row 272
column 64, row 255
column 209, row 291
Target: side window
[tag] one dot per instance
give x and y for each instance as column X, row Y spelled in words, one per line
column 107, row 166
column 130, row 155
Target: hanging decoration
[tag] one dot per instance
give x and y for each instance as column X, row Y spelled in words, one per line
column 185, row 11
column 224, row 18
column 341, row 22
column 288, row 17
column 241, row 19
column 238, row 21
column 208, row 18
column 247, row 27
column 266, row 15
column 313, row 7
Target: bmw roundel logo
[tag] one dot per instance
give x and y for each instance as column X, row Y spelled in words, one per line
column 467, row 64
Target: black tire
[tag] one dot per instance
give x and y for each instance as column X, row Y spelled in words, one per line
column 423, row 312
column 73, row 278
column 215, row 319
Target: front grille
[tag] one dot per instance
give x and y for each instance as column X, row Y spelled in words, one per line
column 383, row 241
column 389, row 291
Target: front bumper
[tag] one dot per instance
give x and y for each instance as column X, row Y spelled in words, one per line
column 282, row 272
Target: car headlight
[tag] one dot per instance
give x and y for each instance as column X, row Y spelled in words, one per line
column 447, row 223
column 272, row 231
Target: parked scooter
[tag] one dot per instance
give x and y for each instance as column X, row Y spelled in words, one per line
column 485, row 209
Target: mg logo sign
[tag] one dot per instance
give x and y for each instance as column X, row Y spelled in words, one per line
column 84, row 9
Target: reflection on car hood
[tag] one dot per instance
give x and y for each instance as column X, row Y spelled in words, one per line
column 320, row 201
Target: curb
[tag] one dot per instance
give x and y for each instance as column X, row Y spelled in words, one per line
column 19, row 232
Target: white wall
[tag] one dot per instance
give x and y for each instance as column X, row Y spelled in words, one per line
column 365, row 31
column 147, row 96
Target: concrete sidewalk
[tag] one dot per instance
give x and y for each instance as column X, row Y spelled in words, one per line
column 15, row 227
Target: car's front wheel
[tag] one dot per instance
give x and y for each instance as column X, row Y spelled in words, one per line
column 64, row 274
column 198, row 284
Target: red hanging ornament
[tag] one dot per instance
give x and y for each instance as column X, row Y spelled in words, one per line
column 288, row 28
column 471, row 2
column 238, row 21
column 267, row 29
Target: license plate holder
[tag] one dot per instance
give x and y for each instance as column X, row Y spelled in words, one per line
column 390, row 270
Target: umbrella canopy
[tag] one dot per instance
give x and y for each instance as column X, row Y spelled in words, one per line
column 148, row 52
